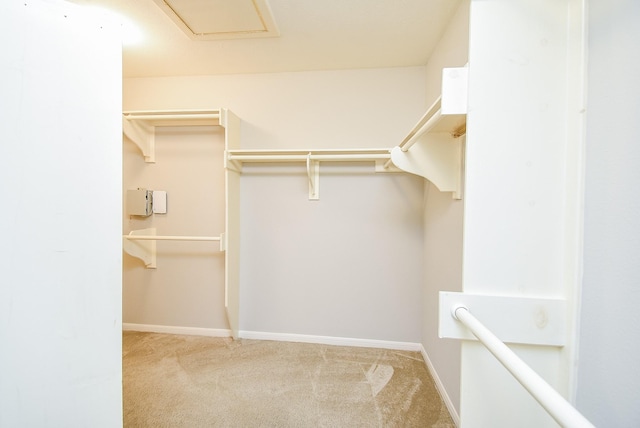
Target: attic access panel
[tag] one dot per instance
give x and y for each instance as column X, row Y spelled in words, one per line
column 221, row 19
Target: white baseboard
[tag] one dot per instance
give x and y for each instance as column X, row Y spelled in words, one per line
column 282, row 337
column 330, row 340
column 190, row 331
column 443, row 393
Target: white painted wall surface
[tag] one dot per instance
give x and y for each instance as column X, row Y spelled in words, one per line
column 60, row 252
column 348, row 265
column 443, row 223
column 608, row 379
column 522, row 189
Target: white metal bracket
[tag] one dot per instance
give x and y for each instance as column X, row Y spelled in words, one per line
column 528, row 320
column 143, row 250
column 313, row 172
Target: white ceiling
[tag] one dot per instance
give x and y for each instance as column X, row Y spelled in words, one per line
column 313, row 35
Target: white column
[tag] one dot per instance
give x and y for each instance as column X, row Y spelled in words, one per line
column 60, row 217
column 523, row 190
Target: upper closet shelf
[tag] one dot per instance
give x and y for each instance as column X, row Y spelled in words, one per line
column 312, row 158
column 433, row 148
column 139, row 126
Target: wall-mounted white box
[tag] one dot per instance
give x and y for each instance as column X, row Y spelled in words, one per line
column 159, row 202
column 140, row 202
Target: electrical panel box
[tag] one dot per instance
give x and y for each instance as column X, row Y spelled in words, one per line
column 140, row 202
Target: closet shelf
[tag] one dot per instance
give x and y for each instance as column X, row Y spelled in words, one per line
column 433, row 148
column 142, row 243
column 139, row 126
column 238, row 157
column 235, row 158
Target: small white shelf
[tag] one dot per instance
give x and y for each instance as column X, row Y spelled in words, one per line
column 433, row 148
column 141, row 243
column 140, row 126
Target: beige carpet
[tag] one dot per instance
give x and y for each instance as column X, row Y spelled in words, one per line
column 190, row 381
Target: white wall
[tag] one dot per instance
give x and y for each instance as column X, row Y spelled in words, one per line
column 609, row 382
column 443, row 223
column 348, row 265
column 189, row 279
column 60, row 252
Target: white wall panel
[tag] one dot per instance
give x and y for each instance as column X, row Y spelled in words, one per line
column 608, row 383
column 60, row 217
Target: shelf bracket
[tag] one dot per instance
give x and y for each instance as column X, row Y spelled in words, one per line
column 434, row 149
column 143, row 250
column 436, row 157
column 313, row 172
column 142, row 135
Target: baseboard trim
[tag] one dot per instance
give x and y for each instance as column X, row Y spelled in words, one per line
column 330, row 340
column 283, row 337
column 440, row 386
column 168, row 329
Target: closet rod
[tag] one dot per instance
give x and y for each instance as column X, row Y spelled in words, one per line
column 172, row 115
column 554, row 403
column 170, row 238
column 175, row 116
column 424, row 125
column 327, row 157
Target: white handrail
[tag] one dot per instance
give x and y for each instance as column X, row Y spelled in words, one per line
column 170, row 238
column 554, row 403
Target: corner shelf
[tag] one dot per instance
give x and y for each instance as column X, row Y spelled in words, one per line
column 433, row 148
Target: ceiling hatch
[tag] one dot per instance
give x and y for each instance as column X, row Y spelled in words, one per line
column 221, row 19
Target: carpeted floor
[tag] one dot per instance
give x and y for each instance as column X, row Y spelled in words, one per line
column 190, row 381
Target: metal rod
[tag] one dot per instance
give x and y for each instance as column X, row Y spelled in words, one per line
column 416, row 132
column 170, row 238
column 554, row 403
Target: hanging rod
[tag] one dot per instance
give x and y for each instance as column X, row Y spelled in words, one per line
column 306, row 155
column 426, row 123
column 554, row 403
column 170, row 238
column 172, row 114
